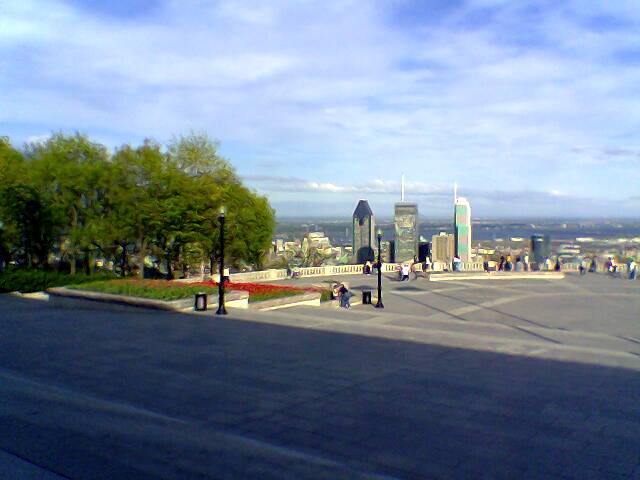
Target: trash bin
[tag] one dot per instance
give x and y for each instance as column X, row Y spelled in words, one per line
column 366, row 297
column 200, row 302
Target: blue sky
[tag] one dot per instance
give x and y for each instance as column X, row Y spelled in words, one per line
column 532, row 107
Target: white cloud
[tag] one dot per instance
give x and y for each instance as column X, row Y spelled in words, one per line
column 347, row 93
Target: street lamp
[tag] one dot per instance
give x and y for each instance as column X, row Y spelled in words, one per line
column 379, row 302
column 221, row 308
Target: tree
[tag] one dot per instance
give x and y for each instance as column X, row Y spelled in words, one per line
column 134, row 176
column 67, row 171
column 133, row 203
column 12, row 165
column 27, row 225
column 197, row 155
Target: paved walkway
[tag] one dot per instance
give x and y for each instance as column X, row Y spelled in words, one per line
column 424, row 392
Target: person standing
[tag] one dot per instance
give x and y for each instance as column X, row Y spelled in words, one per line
column 633, row 270
column 405, row 272
column 414, row 271
column 519, row 267
column 427, row 264
column 508, row 266
column 583, row 266
column 456, row 264
column 557, row 267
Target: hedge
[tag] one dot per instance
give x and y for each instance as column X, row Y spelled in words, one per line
column 25, row 281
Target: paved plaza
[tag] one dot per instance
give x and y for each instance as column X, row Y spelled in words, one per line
column 513, row 379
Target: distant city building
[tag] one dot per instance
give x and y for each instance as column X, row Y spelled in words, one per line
column 540, row 247
column 364, row 232
column 442, row 247
column 406, row 231
column 386, row 254
column 424, row 250
column 462, row 228
column 568, row 249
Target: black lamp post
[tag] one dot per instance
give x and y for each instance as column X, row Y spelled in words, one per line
column 379, row 302
column 221, row 308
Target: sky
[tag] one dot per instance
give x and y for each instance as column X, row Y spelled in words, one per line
column 533, row 108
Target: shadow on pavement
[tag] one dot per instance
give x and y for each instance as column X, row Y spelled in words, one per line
column 105, row 395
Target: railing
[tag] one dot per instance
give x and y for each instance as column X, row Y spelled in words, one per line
column 260, row 275
column 281, row 274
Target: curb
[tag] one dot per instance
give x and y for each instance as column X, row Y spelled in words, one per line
column 500, row 276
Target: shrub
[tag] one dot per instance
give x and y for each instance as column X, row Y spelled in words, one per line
column 25, row 281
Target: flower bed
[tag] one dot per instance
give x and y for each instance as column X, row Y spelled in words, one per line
column 262, row 291
column 167, row 290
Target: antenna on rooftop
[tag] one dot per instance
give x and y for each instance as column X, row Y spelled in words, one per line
column 402, row 190
column 455, row 192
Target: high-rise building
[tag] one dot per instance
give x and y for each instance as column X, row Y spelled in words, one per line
column 406, row 231
column 540, row 248
column 442, row 248
column 405, row 220
column 462, row 228
column 364, row 232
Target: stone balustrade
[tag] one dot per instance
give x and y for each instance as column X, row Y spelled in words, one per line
column 328, row 270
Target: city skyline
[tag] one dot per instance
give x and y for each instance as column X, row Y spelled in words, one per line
column 532, row 106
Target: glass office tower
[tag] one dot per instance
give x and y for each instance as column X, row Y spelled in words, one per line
column 462, row 229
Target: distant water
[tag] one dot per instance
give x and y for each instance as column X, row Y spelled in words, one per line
column 340, row 231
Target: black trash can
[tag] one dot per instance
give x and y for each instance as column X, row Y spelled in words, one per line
column 200, row 303
column 366, row 297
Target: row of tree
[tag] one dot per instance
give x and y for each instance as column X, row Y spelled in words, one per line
column 71, row 201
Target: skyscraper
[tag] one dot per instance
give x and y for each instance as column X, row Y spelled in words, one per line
column 364, row 232
column 462, row 227
column 406, row 229
column 442, row 248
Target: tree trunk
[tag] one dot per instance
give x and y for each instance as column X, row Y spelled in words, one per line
column 169, row 271
column 123, row 260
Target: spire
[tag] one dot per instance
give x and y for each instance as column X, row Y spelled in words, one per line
column 455, row 192
column 402, row 190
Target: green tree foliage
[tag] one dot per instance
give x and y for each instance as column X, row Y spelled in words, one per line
column 130, row 205
column 27, row 227
column 12, row 169
column 67, row 170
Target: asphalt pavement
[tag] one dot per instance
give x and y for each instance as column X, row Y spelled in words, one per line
column 523, row 380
